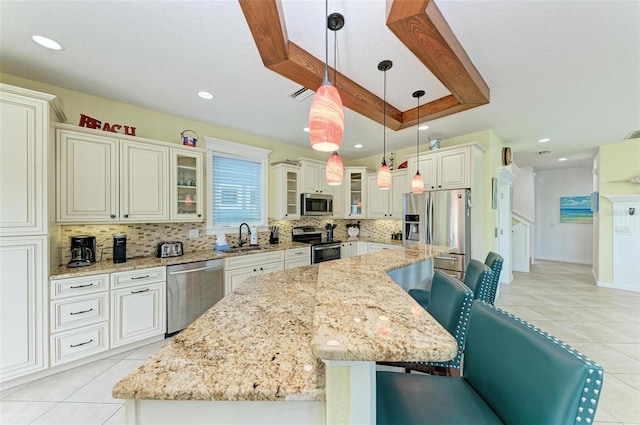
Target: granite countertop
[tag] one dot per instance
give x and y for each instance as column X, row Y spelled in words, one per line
column 264, row 340
column 147, row 262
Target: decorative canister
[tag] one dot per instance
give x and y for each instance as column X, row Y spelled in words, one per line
column 187, row 140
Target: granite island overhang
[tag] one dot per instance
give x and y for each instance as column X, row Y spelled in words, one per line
column 286, row 346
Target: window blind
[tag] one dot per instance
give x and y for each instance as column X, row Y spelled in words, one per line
column 237, row 191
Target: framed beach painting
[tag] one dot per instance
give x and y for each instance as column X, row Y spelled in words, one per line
column 576, row 209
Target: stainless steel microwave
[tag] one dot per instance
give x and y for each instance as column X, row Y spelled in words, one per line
column 316, row 204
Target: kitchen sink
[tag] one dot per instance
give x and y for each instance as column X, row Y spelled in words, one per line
column 235, row 249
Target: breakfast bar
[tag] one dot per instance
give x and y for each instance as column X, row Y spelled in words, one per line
column 296, row 346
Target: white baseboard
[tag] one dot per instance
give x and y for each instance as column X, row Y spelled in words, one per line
column 565, row 260
column 621, row 287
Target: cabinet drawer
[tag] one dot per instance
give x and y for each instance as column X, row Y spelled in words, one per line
column 79, row 343
column 71, row 313
column 449, row 262
column 73, row 286
column 253, row 259
column 291, row 254
column 138, row 277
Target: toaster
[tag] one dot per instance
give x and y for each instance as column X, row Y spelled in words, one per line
column 169, row 249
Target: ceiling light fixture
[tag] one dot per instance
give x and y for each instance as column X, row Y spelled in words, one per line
column 335, row 170
column 544, row 140
column 384, row 173
column 423, row 127
column 205, row 95
column 326, row 116
column 306, row 129
column 417, row 184
column 358, row 146
column 562, row 159
column 47, row 42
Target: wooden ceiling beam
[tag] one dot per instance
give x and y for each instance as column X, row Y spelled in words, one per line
column 418, row 24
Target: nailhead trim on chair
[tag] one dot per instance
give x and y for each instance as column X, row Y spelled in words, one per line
column 496, row 268
column 485, row 288
column 586, row 408
column 460, row 334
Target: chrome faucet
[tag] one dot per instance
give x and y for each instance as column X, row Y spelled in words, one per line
column 240, row 240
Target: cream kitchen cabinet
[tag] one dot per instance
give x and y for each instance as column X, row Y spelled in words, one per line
column 238, row 269
column 355, row 192
column 386, row 204
column 377, row 247
column 349, row 249
column 314, row 177
column 186, row 185
column 285, row 192
column 108, row 178
column 26, row 171
column 79, row 317
column 297, row 257
column 138, row 305
column 23, row 306
column 447, row 168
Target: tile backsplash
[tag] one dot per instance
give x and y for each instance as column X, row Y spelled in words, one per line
column 142, row 239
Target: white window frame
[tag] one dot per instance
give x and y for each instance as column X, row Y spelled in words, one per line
column 235, row 150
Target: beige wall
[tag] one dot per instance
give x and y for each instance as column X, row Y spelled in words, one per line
column 618, row 161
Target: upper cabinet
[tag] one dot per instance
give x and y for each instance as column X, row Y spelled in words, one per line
column 355, row 191
column 186, row 185
column 24, row 156
column 285, row 192
column 314, row 177
column 386, row 204
column 103, row 179
column 447, row 168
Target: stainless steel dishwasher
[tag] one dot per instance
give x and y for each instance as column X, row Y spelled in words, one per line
column 192, row 289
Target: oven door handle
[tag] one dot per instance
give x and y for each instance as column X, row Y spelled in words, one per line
column 323, row 247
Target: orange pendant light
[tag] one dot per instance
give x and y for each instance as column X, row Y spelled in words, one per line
column 417, row 183
column 384, row 173
column 326, row 116
column 335, row 170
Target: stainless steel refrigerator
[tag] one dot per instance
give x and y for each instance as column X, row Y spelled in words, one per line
column 440, row 217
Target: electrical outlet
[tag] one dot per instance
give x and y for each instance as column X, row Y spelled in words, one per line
column 194, row 233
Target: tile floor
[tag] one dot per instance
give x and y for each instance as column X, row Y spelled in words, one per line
column 558, row 297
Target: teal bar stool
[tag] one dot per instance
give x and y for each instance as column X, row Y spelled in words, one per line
column 514, row 373
column 494, row 261
column 450, row 306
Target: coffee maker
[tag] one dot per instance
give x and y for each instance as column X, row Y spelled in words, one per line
column 83, row 251
column 119, row 248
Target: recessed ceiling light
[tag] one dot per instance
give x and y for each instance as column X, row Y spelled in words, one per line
column 423, row 127
column 46, row 42
column 205, row 95
column 562, row 159
column 306, row 129
column 544, row 140
column 358, row 146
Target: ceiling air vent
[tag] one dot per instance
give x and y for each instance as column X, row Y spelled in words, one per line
column 634, row 134
column 301, row 94
column 543, row 153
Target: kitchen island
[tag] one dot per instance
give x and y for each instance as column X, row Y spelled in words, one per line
column 297, row 346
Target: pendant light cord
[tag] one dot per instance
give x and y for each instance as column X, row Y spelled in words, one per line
column 326, row 41
column 335, row 60
column 418, row 139
column 384, row 120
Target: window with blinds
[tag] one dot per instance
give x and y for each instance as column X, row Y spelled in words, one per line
column 237, row 192
column 237, row 189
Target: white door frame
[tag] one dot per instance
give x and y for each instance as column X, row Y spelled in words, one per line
column 505, row 183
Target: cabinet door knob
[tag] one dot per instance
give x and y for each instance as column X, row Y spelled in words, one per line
column 199, row 215
column 126, row 216
column 113, row 216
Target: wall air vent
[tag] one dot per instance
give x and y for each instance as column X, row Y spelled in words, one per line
column 634, row 135
column 301, row 94
column 543, row 153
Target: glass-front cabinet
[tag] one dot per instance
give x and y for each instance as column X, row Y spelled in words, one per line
column 285, row 192
column 186, row 185
column 355, row 187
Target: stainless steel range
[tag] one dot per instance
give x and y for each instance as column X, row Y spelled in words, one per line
column 322, row 249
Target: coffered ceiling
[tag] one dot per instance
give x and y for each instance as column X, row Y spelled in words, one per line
column 564, row 70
